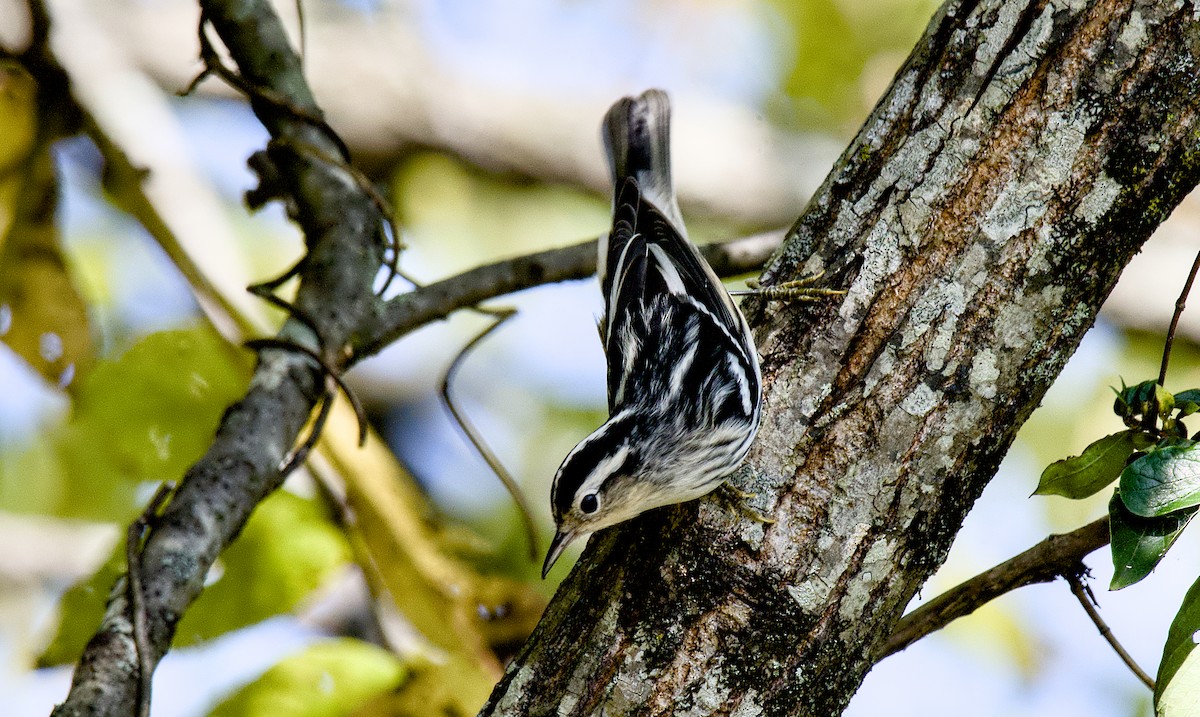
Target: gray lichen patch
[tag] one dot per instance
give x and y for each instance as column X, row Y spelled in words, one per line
column 984, row 372
column 1100, row 199
column 1133, row 35
column 512, row 698
column 920, row 401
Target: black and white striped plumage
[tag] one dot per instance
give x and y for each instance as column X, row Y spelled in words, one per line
column 683, row 375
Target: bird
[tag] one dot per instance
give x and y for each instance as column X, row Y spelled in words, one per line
column 684, row 383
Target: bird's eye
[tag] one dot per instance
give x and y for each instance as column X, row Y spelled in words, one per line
column 589, row 503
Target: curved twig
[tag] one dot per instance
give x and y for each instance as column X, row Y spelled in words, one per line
column 472, row 433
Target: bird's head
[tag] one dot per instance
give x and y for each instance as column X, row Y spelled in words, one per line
column 600, row 483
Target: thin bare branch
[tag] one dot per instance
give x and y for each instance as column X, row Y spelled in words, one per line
column 1088, row 600
column 435, row 301
column 1180, row 303
column 1054, row 557
column 499, row 316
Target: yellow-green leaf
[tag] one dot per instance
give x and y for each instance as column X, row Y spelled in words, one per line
column 329, row 679
column 18, row 132
column 43, row 318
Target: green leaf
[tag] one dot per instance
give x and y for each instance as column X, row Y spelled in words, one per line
column 287, row 549
column 329, row 679
column 1163, row 481
column 1177, row 687
column 1099, row 465
column 1187, row 402
column 1138, row 544
column 1192, row 395
column 139, row 419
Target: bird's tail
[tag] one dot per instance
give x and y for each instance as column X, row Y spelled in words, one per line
column 637, row 135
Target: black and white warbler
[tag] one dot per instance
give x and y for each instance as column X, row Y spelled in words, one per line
column 683, row 377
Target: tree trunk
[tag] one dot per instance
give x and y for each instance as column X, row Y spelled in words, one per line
column 1021, row 157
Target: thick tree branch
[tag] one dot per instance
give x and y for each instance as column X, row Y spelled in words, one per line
column 1049, row 560
column 986, row 208
column 342, row 229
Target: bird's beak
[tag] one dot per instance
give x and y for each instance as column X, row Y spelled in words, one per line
column 561, row 540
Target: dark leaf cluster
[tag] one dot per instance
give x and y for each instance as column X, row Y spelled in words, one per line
column 1156, row 466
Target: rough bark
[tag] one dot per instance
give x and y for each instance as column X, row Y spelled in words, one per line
column 981, row 216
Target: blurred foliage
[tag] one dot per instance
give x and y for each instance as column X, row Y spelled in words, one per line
column 42, row 316
column 141, row 418
column 419, row 584
column 329, row 679
column 18, row 129
column 288, row 548
column 843, row 56
column 431, row 689
column 456, row 216
column 80, row 611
